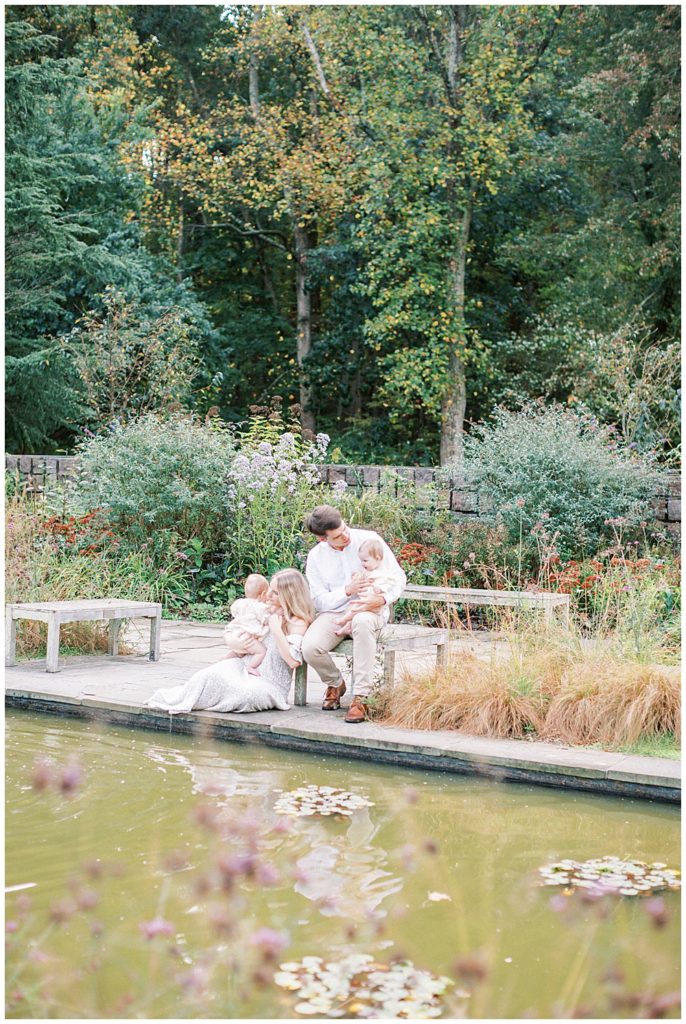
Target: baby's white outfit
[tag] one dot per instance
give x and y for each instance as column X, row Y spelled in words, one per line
column 382, row 580
column 249, row 621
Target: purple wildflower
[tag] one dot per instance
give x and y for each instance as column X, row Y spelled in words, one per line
column 158, row 926
column 270, row 943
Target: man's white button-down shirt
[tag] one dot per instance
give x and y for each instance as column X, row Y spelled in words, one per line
column 329, row 571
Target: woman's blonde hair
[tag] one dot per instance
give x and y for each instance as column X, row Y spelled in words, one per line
column 294, row 592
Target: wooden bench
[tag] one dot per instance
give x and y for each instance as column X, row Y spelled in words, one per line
column 55, row 613
column 393, row 638
column 397, row 637
column 547, row 602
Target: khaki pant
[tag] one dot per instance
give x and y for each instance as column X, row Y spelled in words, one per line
column 321, row 638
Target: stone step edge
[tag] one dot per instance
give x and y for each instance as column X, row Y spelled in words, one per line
column 371, row 747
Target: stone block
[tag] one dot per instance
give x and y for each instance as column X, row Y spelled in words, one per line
column 674, row 486
column 371, row 475
column 67, row 465
column 25, row 464
column 323, row 473
column 674, row 510
column 423, row 475
column 405, row 472
column 50, row 465
column 11, row 463
column 464, row 501
column 336, row 473
column 388, row 477
column 659, row 507
column 38, row 465
column 353, row 476
column 443, row 498
column 457, row 482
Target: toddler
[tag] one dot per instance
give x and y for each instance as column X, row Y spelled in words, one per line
column 249, row 622
column 376, row 580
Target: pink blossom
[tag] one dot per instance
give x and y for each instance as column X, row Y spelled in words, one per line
column 270, row 943
column 158, row 926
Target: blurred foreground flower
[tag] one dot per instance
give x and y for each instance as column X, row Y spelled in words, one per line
column 157, row 927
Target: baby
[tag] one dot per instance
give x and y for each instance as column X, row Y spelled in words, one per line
column 375, row 579
column 249, row 615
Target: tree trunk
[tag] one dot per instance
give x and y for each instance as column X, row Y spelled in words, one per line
column 254, row 86
column 180, row 240
column 304, row 321
column 455, row 399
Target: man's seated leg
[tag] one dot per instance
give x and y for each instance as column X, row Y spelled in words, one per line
column 365, row 631
column 319, row 640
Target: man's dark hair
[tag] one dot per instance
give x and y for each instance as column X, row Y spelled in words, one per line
column 322, row 519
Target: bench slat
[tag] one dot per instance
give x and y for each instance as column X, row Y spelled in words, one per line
column 465, row 595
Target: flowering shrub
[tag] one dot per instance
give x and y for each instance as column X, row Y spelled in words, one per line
column 548, row 462
column 158, row 475
column 271, row 487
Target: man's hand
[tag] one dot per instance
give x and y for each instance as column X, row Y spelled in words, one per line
column 355, row 585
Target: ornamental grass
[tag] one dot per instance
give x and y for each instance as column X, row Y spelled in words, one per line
column 549, row 685
column 615, row 703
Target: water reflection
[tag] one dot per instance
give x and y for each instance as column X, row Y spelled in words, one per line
column 479, row 843
column 346, row 874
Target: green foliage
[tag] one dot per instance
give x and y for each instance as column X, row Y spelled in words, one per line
column 198, row 158
column 550, row 469
column 129, row 366
column 69, row 233
column 159, row 477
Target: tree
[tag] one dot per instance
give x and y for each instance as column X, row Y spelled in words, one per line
column 434, row 98
column 70, row 225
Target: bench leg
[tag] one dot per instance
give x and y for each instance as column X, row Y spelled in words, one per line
column 388, row 668
column 10, row 638
column 155, row 629
column 53, row 655
column 113, row 643
column 441, row 657
column 300, row 687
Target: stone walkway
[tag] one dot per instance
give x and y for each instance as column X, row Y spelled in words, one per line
column 115, row 690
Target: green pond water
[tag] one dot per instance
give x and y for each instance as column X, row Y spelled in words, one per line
column 151, row 815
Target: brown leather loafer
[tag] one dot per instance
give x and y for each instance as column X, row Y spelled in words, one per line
column 357, row 712
column 332, row 697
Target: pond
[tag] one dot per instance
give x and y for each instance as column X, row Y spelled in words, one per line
column 162, row 882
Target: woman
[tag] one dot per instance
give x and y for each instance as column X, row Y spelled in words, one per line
column 227, row 685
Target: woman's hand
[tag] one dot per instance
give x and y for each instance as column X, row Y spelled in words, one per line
column 276, row 622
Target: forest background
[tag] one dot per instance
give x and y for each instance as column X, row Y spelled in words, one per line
column 397, row 217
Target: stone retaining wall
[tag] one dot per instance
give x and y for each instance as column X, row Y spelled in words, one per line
column 37, row 471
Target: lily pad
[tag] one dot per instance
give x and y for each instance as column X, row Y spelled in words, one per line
column 611, row 875
column 359, row 986
column 323, row 800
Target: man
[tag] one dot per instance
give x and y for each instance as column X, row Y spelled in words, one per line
column 330, row 567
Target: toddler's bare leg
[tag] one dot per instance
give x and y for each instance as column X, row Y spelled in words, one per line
column 344, row 625
column 256, row 660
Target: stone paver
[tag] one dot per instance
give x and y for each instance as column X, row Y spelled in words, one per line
column 116, row 689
